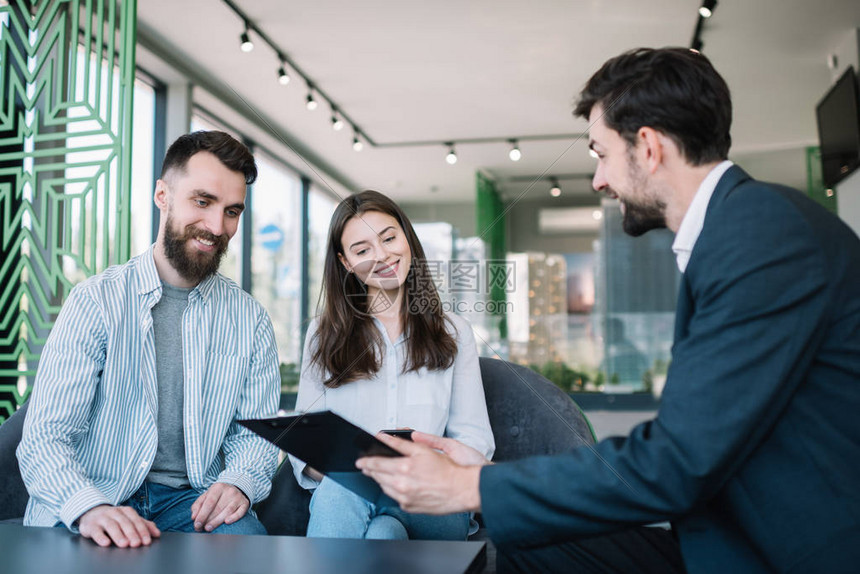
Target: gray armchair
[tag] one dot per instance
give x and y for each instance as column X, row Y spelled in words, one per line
column 530, row 415
column 13, row 494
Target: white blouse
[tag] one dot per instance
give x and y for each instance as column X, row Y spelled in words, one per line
column 449, row 403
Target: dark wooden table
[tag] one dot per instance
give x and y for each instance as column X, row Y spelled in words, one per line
column 25, row 550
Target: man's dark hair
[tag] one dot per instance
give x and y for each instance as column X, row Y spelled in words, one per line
column 230, row 151
column 673, row 90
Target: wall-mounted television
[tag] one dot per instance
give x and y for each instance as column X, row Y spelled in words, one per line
column 838, row 115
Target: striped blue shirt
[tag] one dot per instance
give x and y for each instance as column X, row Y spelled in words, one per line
column 90, row 433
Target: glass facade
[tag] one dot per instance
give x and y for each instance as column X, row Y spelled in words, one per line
column 637, row 289
column 276, row 257
column 142, row 163
column 321, row 206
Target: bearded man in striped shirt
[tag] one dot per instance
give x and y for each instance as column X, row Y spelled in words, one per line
column 131, row 427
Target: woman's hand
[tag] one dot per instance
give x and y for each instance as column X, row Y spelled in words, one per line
column 459, row 452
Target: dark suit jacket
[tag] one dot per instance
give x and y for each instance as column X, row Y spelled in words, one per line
column 755, row 452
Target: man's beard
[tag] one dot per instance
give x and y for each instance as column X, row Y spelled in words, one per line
column 641, row 216
column 197, row 265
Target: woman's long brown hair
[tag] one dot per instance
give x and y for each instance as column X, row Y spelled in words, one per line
column 347, row 345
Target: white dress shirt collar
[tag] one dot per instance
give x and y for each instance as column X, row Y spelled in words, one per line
column 694, row 219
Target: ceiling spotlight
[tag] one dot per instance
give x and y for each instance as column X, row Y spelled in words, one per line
column 311, row 102
column 515, row 154
column 451, row 158
column 356, row 143
column 707, row 8
column 283, row 76
column 336, row 121
column 246, row 44
column 597, row 214
column 555, row 190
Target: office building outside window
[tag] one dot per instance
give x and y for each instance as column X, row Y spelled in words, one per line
column 637, row 291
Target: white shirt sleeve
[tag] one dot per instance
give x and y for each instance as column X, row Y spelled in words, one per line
column 311, row 398
column 468, row 421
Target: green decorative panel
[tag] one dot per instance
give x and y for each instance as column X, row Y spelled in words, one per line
column 492, row 228
column 66, row 85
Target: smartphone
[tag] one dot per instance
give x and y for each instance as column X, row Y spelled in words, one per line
column 405, row 434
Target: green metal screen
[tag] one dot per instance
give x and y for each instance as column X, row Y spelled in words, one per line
column 66, row 86
column 492, row 228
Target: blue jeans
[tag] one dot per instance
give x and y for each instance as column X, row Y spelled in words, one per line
column 339, row 513
column 170, row 510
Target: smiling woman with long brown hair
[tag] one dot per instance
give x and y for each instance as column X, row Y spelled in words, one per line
column 384, row 355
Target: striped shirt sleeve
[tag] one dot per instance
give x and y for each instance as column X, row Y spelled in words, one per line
column 250, row 460
column 66, row 382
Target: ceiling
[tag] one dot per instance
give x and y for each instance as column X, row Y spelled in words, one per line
column 449, row 70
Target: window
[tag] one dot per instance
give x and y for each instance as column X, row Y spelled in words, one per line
column 276, row 264
column 142, row 161
column 320, row 209
column 637, row 291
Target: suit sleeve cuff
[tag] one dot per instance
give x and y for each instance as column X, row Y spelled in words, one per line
column 79, row 503
column 493, row 511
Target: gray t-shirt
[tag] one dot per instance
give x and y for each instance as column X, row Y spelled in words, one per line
column 169, row 468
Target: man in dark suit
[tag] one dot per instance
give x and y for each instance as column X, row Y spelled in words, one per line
column 754, row 455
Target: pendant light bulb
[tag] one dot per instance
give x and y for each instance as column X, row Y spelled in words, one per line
column 515, row 154
column 451, row 158
column 283, row 76
column 311, row 102
column 245, row 43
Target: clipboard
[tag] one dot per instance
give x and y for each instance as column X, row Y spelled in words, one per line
column 330, row 444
